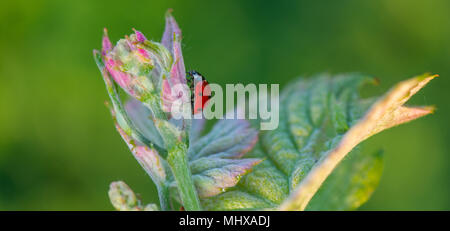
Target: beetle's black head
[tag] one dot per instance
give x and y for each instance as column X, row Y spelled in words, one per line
column 193, row 72
column 191, row 75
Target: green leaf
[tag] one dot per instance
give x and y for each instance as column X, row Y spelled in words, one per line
column 351, row 183
column 141, row 117
column 215, row 159
column 321, row 120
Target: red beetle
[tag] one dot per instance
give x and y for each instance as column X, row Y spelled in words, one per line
column 200, row 91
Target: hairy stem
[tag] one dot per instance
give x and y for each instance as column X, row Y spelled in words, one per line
column 177, row 160
column 176, row 156
column 163, row 193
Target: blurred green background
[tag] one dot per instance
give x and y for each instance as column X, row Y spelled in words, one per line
column 59, row 149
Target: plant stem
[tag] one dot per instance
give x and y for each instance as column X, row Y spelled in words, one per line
column 176, row 156
column 163, row 193
column 177, row 160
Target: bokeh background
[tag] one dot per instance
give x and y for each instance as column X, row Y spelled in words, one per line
column 59, row 149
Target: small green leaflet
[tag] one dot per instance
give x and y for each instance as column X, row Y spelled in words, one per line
column 215, row 158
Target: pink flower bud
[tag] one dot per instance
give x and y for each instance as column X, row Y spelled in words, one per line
column 133, row 62
column 172, row 41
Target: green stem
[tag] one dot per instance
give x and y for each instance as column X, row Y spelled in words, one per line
column 176, row 156
column 163, row 193
column 177, row 160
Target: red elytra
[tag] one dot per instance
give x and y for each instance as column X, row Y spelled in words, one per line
column 202, row 93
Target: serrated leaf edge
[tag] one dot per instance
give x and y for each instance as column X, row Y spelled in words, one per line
column 385, row 113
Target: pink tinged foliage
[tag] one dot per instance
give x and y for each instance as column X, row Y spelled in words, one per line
column 106, row 43
column 143, row 53
column 173, row 93
column 154, row 75
column 135, row 56
column 131, row 61
column 147, row 157
column 139, row 36
column 113, row 65
column 172, row 41
column 171, row 33
column 224, row 174
column 121, row 78
column 167, row 96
